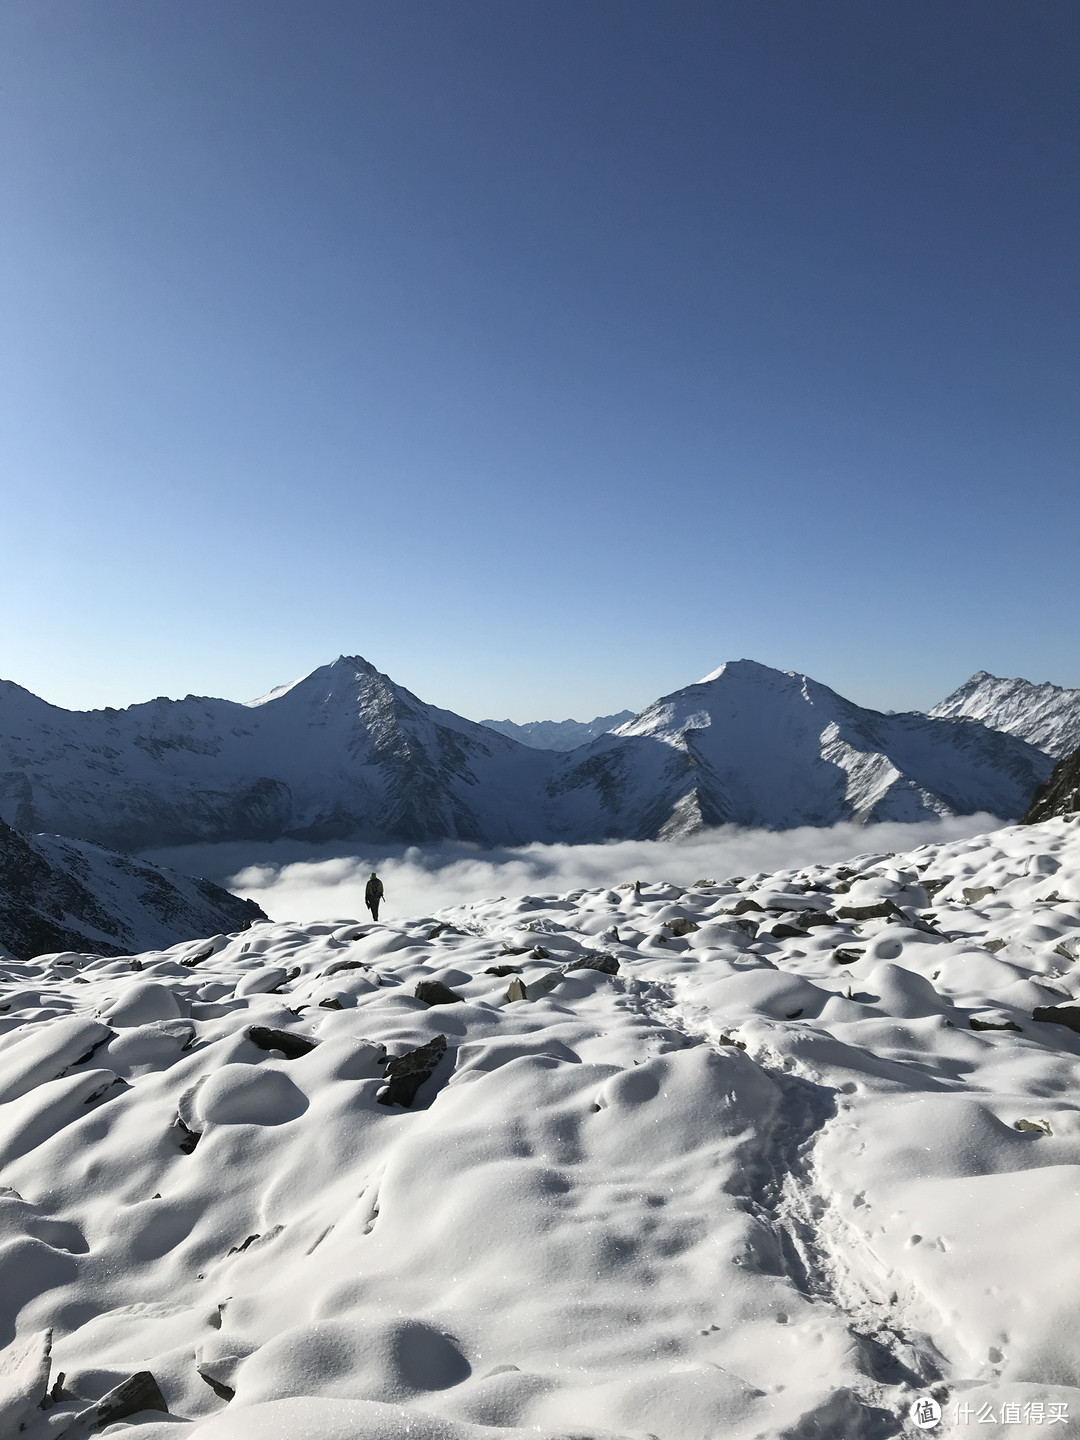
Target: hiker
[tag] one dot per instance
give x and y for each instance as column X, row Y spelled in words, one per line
column 373, row 894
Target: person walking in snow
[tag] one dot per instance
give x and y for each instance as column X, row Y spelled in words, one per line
column 373, row 894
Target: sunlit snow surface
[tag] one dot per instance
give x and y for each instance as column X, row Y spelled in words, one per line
column 740, row 1188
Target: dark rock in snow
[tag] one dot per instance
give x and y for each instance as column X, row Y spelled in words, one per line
column 679, row 926
column 130, row 1397
column 406, row 1073
column 606, row 964
column 291, row 1046
column 977, row 1024
column 503, row 970
column 846, row 957
column 880, row 911
column 434, row 992
column 339, row 965
column 516, row 991
column 1067, row 1015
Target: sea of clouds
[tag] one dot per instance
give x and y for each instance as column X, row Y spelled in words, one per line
column 292, row 881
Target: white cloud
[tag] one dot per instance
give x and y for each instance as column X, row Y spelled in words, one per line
column 422, row 880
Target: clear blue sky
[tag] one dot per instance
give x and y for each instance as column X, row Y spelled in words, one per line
column 547, row 354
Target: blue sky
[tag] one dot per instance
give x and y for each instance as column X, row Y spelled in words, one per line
column 546, row 354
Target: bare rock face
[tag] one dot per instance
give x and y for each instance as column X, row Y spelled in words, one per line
column 60, row 894
column 1060, row 795
column 434, row 992
column 406, row 1073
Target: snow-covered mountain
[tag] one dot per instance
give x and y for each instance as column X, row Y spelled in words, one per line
column 346, row 754
column 1046, row 716
column 343, row 752
column 750, row 745
column 58, row 894
column 559, row 734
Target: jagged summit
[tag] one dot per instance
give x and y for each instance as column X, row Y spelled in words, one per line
column 1045, row 715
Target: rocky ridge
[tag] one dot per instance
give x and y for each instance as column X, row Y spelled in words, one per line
column 67, row 895
column 1047, row 716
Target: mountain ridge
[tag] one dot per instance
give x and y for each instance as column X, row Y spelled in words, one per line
column 1046, row 715
column 345, row 753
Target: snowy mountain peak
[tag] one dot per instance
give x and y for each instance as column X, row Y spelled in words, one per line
column 742, row 670
column 1044, row 715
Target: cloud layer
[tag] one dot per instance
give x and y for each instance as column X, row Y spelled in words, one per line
column 423, row 880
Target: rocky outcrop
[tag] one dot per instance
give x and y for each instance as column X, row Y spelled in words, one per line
column 1061, row 793
column 58, row 894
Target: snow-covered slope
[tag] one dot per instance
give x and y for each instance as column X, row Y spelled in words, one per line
column 1045, row 715
column 755, row 746
column 58, row 894
column 764, row 1159
column 344, row 752
column 559, row 734
column 347, row 754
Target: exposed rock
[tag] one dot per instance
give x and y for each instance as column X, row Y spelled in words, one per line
column 679, row 926
column 781, row 930
column 606, row 964
column 516, row 990
column 743, row 906
column 131, row 1396
column 503, row 970
column 807, row 919
column 881, row 911
column 1041, row 1127
column 1068, row 1015
column 406, row 1073
column 340, row 965
column 291, row 1046
column 434, row 992
column 1060, row 795
column 846, row 957
column 974, row 893
column 977, row 1024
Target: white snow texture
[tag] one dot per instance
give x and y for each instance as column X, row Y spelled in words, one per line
column 801, row 1155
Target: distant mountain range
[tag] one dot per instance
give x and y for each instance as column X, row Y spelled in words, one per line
column 347, row 754
column 559, row 734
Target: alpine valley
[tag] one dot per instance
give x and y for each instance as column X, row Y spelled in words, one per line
column 348, row 754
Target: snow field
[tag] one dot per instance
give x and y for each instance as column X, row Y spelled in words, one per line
column 767, row 1181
